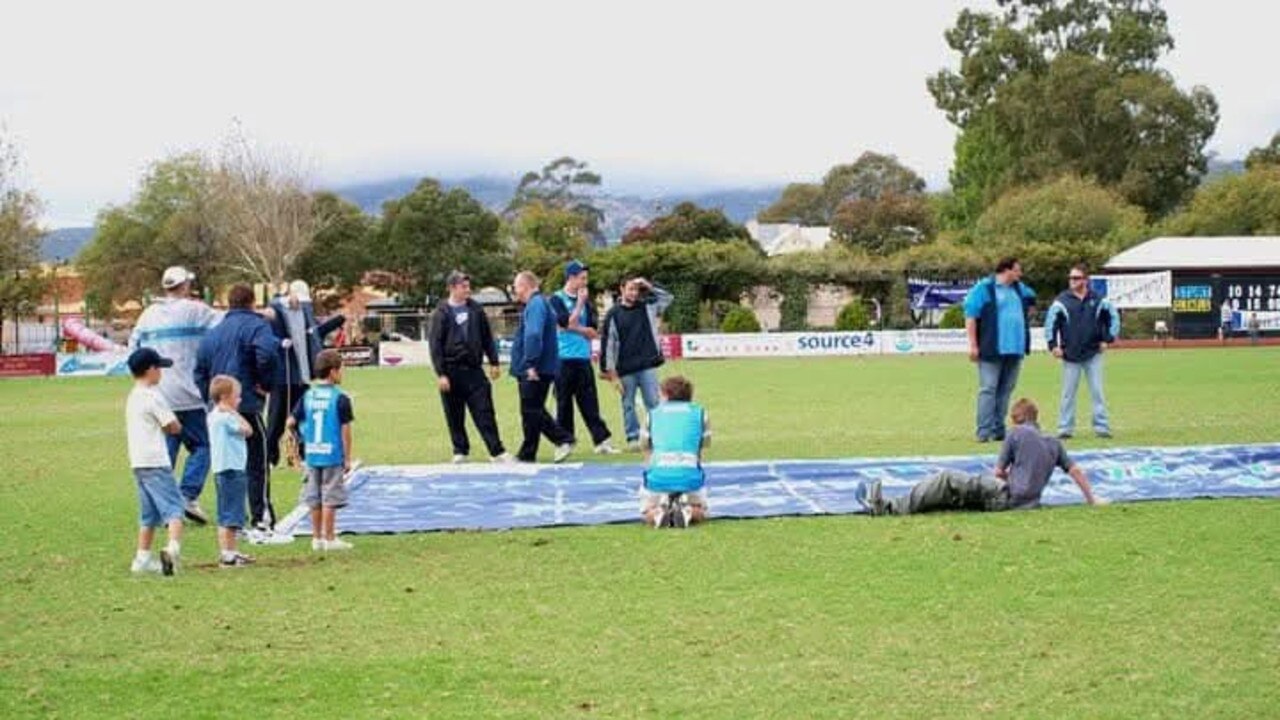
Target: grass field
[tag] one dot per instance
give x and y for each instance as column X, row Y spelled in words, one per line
column 1144, row 610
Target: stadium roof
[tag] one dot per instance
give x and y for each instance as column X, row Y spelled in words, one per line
column 1207, row 253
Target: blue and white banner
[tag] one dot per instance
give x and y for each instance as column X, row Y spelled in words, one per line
column 93, row 364
column 1146, row 290
column 446, row 497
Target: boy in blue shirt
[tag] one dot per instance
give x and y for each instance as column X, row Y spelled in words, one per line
column 229, row 454
column 323, row 419
column 673, row 493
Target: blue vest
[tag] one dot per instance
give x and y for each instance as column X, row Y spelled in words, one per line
column 675, row 429
column 572, row 345
column 321, row 429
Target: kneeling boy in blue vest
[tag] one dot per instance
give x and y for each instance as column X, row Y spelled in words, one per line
column 323, row 418
column 678, row 433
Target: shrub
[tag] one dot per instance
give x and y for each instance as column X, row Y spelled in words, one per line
column 953, row 318
column 853, row 316
column 795, row 304
column 740, row 320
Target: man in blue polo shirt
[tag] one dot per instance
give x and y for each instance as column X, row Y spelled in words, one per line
column 996, row 313
column 576, row 382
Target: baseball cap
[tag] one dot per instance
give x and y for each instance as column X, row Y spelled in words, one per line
column 175, row 276
column 457, row 277
column 575, row 268
column 300, row 290
column 143, row 359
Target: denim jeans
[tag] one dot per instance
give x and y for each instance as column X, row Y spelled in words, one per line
column 1092, row 370
column 195, row 438
column 646, row 381
column 996, row 380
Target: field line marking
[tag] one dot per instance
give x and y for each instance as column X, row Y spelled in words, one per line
column 791, row 490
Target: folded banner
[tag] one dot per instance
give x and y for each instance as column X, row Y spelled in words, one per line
column 446, row 497
column 1146, row 290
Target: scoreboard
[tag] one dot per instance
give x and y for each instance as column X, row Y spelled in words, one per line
column 1197, row 300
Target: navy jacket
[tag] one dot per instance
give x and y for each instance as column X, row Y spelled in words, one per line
column 316, row 333
column 535, row 344
column 1080, row 325
column 983, row 294
column 241, row 346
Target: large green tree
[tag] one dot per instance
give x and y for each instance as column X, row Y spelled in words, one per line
column 546, row 238
column 21, row 279
column 342, row 251
column 1246, row 204
column 1047, row 87
column 883, row 225
column 424, row 235
column 1266, row 156
column 169, row 221
column 800, row 203
column 869, row 177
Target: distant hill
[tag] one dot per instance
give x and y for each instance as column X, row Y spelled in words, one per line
column 64, row 243
column 622, row 212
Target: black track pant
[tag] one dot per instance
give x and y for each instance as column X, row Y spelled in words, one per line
column 260, row 508
column 535, row 419
column 577, row 382
column 469, row 389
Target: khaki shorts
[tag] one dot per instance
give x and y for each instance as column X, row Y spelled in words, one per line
column 651, row 500
column 324, row 487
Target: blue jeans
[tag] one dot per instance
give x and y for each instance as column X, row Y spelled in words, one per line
column 646, row 381
column 195, row 438
column 996, row 380
column 158, row 500
column 233, row 488
column 1092, row 370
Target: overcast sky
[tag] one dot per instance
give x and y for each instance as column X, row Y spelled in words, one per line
column 656, row 95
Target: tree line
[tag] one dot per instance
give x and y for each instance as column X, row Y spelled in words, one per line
column 1073, row 143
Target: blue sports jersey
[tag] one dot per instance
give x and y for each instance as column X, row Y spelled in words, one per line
column 676, row 430
column 321, row 426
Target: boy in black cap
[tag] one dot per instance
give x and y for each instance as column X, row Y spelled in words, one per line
column 147, row 420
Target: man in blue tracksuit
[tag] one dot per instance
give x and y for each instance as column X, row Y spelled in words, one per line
column 1079, row 326
column 576, row 381
column 244, row 347
column 997, row 318
column 535, row 361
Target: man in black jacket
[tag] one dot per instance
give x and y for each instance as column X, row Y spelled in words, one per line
column 631, row 350
column 460, row 339
column 1078, row 328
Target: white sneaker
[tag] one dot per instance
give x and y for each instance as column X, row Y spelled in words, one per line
column 607, row 448
column 151, row 565
column 318, row 545
column 336, row 544
column 562, row 453
column 633, row 446
column 503, row 459
column 459, row 460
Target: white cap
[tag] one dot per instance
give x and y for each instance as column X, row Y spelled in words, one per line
column 299, row 290
column 175, row 276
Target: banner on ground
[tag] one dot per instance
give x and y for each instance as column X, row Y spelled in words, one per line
column 1144, row 290
column 27, row 365
column 111, row 364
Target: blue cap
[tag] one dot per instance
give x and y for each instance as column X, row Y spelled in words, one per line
column 143, row 359
column 574, row 268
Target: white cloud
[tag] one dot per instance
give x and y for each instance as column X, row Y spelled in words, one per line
column 680, row 93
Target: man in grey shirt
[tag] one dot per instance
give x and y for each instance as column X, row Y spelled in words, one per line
column 1027, row 461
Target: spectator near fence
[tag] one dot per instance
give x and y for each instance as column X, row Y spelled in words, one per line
column 173, row 325
column 631, row 350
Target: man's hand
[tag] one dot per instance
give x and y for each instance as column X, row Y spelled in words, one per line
column 495, row 372
column 346, row 466
column 532, row 375
column 443, row 384
column 286, row 343
column 973, row 353
column 590, row 333
column 1102, row 347
column 584, row 295
column 1057, row 352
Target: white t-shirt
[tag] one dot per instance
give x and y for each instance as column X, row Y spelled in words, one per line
column 145, row 416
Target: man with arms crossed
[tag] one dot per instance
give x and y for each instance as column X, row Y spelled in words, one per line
column 577, row 382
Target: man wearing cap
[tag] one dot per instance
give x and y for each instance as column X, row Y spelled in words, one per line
column 173, row 325
column 243, row 346
column 460, row 340
column 293, row 320
column 576, row 381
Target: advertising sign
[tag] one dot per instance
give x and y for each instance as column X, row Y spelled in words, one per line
column 358, row 355
column 1145, row 290
column 93, row 364
column 28, row 365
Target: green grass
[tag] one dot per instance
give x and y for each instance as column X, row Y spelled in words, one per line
column 1145, row 610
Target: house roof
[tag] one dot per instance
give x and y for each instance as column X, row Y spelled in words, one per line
column 1181, row 253
column 783, row 238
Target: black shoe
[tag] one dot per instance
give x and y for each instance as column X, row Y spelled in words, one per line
column 871, row 496
column 166, row 563
column 238, row 560
column 983, row 439
column 1064, row 435
column 1104, row 434
column 676, row 513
